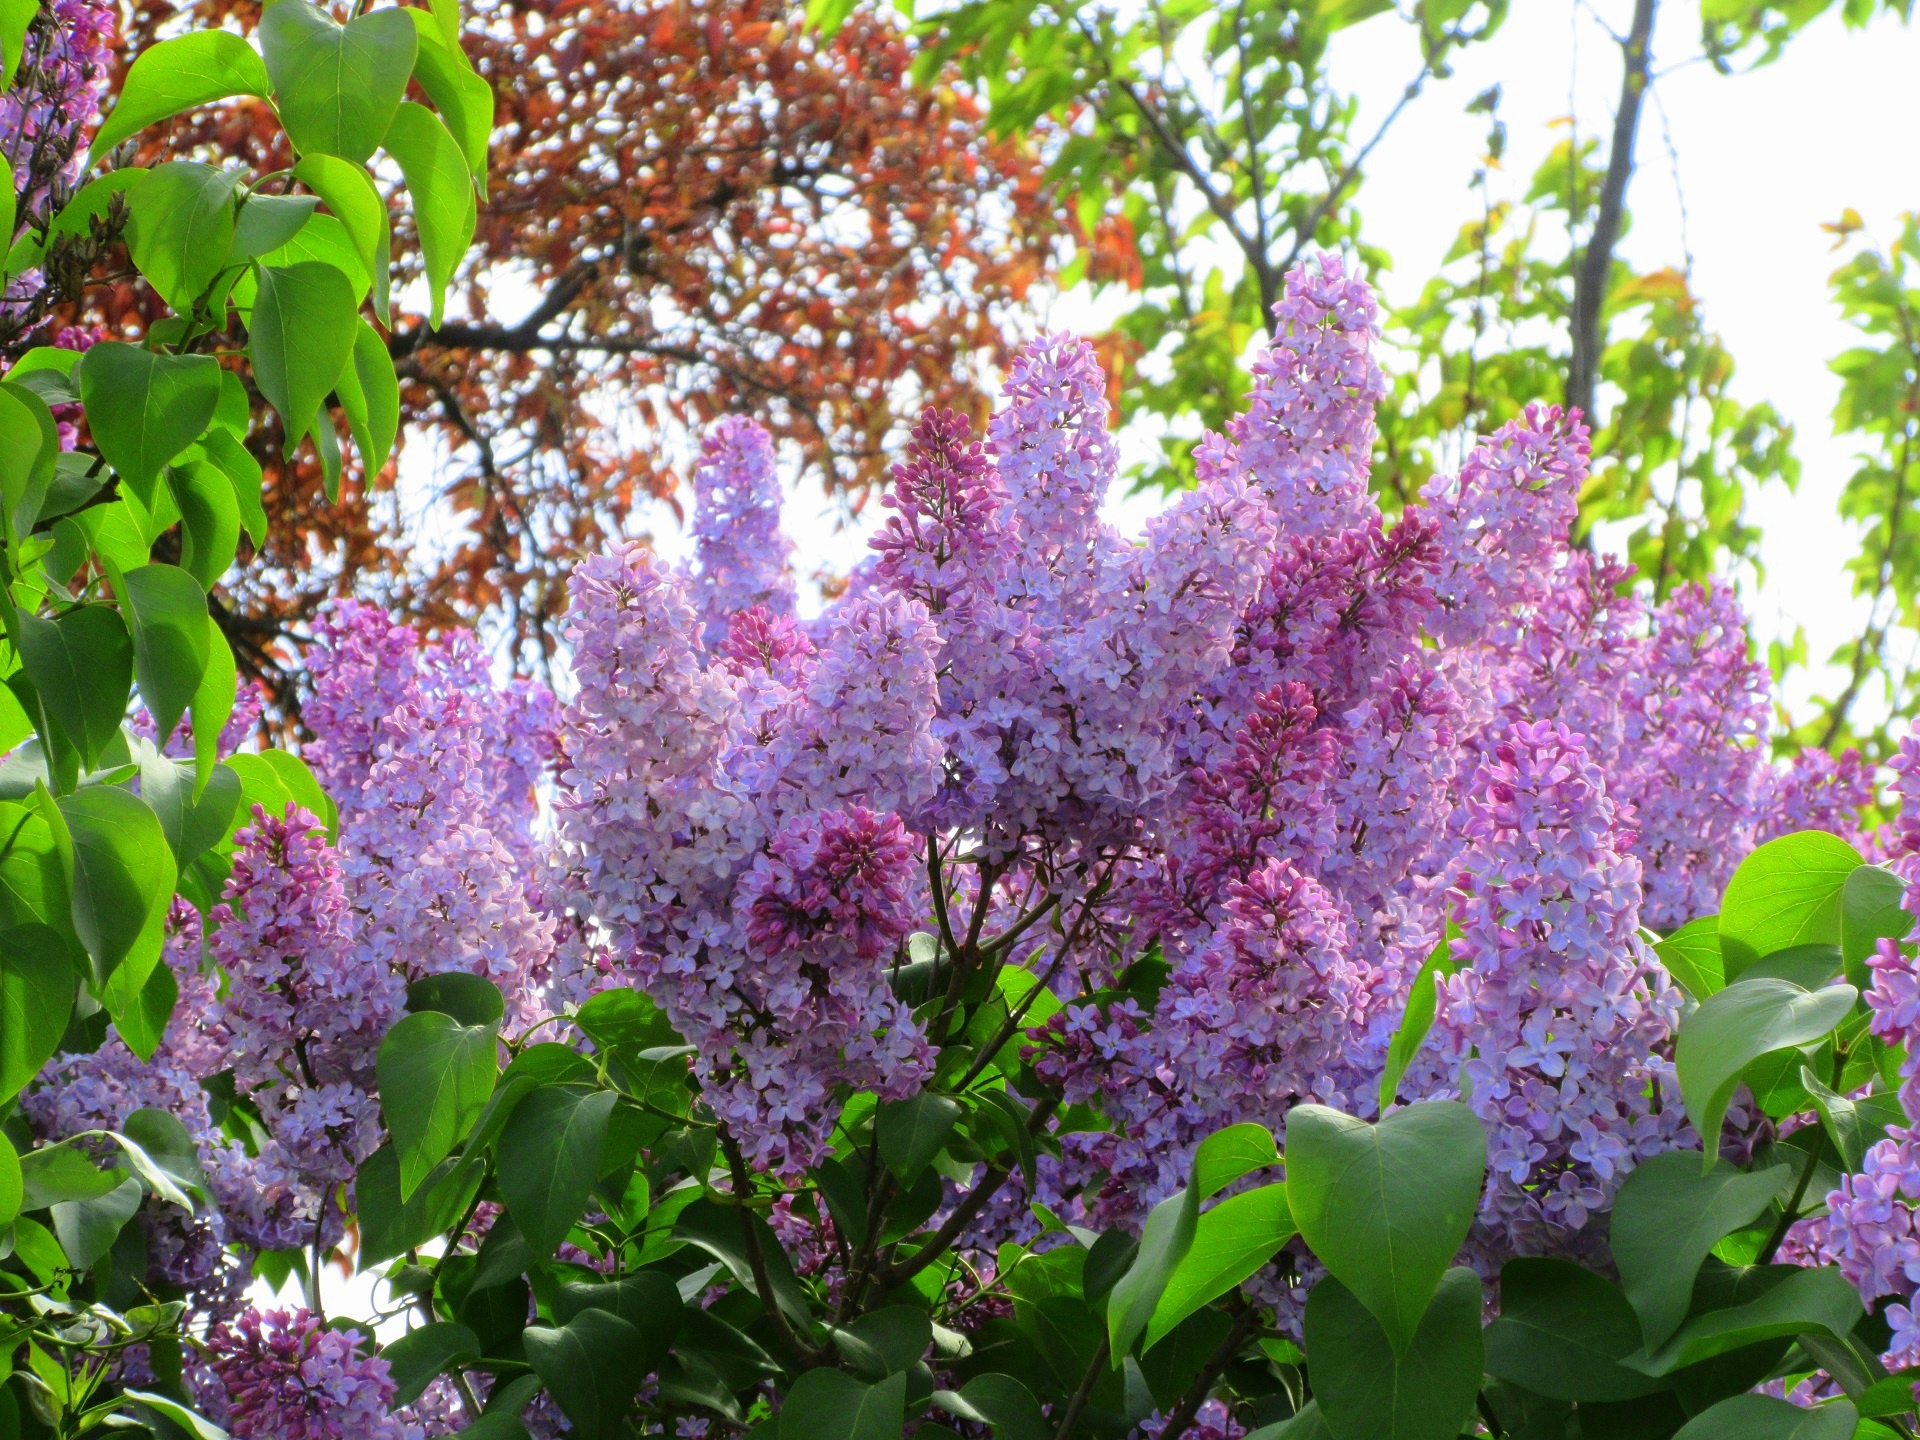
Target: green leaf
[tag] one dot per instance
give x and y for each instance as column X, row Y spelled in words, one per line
column 418, row 1357
column 1801, row 1301
column 337, row 87
column 267, row 223
column 123, row 878
column 326, row 444
column 36, row 998
column 168, row 614
column 15, row 17
column 1422, row 997
column 58, row 1174
column 210, row 520
column 243, row 474
column 549, row 1158
column 177, row 75
column 1229, row 1155
column 302, row 332
column 464, row 98
column 1164, row 1242
column 212, row 703
column 12, row 1188
column 592, row 1366
column 442, row 191
column 390, row 1226
column 1000, row 1401
column 649, row 1301
column 1386, row 1206
column 1871, row 909
column 26, row 457
column 625, row 1021
column 88, row 1228
column 1231, row 1242
column 1738, row 1026
column 1666, row 1220
column 140, row 1017
column 832, row 1405
column 1692, row 956
column 718, row 1230
column 33, row 874
column 1369, row 1391
column 911, row 1132
column 1562, row 1332
column 180, row 228
column 349, row 193
column 1785, row 893
column 168, row 1148
column 191, row 826
column 370, row 394
column 323, row 240
column 1761, row 1417
column 275, row 778
column 197, row 1427
column 81, row 666
column 144, row 409
column 435, row 1075
column 1854, row 1125
column 470, row 999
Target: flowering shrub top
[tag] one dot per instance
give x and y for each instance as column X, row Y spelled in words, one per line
column 891, row 989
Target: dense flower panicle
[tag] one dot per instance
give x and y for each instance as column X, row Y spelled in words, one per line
column 284, row 1375
column 100, row 1089
column 1271, row 1011
column 1818, row 790
column 1693, row 761
column 1306, row 441
column 1056, row 460
column 1501, row 525
column 1558, row 1016
column 947, row 542
column 433, row 770
column 744, row 557
column 62, row 72
column 703, row 810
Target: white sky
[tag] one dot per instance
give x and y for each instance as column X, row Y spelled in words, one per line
column 1763, row 158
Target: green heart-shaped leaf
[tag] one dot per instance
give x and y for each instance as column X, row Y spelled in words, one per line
column 1734, row 1028
column 337, row 86
column 1368, row 1391
column 144, row 409
column 1386, row 1206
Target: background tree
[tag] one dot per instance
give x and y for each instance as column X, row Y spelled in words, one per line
column 691, row 209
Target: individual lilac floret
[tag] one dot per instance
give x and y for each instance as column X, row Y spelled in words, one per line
column 744, row 558
column 284, row 1375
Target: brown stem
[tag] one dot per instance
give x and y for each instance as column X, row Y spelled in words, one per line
column 756, row 1258
column 1181, row 1418
column 1596, row 262
column 1077, row 1406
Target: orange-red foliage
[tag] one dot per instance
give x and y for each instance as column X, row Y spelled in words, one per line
column 694, row 207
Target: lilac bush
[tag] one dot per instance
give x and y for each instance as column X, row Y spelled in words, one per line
column 1146, row 837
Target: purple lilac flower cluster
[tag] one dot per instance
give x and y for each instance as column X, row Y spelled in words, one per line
column 284, row 1375
column 304, row 963
column 1276, row 742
